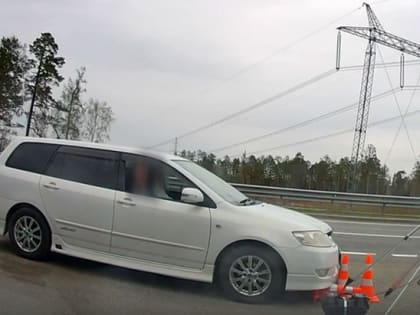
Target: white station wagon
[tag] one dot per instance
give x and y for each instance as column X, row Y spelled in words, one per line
column 157, row 213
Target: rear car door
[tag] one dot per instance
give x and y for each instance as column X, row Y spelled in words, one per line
column 78, row 193
column 151, row 223
column 20, row 175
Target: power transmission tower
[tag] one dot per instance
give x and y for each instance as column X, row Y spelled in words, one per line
column 375, row 34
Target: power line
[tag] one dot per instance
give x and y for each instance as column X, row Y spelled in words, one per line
column 253, row 65
column 247, row 68
column 282, row 49
column 399, row 108
column 303, row 123
column 334, row 134
column 259, row 104
column 288, row 46
column 394, row 140
column 392, row 64
column 260, row 61
column 272, row 98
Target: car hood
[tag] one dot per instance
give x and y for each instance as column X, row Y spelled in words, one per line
column 296, row 221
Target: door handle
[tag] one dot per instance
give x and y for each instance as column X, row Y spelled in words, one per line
column 51, row 185
column 126, row 202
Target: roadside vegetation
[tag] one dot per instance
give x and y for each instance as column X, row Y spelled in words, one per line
column 36, row 100
column 297, row 172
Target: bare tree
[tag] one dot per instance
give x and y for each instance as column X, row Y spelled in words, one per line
column 98, row 119
column 68, row 114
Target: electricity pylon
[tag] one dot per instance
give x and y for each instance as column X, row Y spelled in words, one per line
column 374, row 33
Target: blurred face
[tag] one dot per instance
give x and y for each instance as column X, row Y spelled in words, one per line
column 140, row 176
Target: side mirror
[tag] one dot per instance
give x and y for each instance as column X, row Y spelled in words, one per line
column 192, row 195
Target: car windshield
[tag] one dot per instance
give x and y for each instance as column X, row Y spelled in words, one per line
column 215, row 183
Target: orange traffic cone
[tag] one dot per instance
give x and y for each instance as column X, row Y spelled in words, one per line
column 367, row 281
column 343, row 274
column 341, row 290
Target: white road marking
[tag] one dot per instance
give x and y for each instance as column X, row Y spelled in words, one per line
column 374, row 235
column 402, row 292
column 374, row 254
column 358, row 253
column 405, row 255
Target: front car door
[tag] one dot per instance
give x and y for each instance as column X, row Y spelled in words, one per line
column 151, row 223
column 78, row 192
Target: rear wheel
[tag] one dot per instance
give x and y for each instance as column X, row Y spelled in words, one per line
column 251, row 274
column 29, row 233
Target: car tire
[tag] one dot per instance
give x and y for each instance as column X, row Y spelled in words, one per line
column 251, row 274
column 29, row 234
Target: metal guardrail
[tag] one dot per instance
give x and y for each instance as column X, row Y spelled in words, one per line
column 327, row 196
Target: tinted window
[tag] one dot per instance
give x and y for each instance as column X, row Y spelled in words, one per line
column 87, row 166
column 32, row 157
column 146, row 176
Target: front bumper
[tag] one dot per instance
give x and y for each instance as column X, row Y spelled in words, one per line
column 311, row 268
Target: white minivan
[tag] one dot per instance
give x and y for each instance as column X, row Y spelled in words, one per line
column 157, row 213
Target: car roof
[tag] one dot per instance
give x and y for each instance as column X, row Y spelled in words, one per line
column 103, row 146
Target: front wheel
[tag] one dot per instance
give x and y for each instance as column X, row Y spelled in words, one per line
column 251, row 274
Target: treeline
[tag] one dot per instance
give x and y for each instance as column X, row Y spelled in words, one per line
column 297, row 172
column 30, row 81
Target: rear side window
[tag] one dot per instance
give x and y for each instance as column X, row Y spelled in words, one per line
column 32, row 157
column 87, row 166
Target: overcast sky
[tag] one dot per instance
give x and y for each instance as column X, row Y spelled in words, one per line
column 168, row 67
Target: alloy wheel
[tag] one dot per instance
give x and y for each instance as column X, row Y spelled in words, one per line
column 250, row 275
column 27, row 234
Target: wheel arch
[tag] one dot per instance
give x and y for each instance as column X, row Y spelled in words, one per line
column 21, row 205
column 252, row 242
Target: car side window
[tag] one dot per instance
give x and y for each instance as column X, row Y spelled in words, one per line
column 149, row 177
column 134, row 174
column 175, row 182
column 31, row 157
column 88, row 166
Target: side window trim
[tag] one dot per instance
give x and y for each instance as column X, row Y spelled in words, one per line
column 52, row 157
column 94, row 152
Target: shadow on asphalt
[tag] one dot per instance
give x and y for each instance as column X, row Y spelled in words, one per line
column 86, row 267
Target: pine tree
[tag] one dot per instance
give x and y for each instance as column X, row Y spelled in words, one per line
column 13, row 68
column 44, row 77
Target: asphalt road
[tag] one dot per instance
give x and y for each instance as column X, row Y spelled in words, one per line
column 65, row 285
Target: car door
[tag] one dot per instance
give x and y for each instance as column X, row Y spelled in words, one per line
column 152, row 224
column 78, row 193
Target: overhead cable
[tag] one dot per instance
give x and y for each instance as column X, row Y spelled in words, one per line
column 252, row 107
column 397, row 133
column 304, row 123
column 399, row 109
column 334, row 134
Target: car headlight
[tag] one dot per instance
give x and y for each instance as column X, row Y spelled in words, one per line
column 314, row 238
